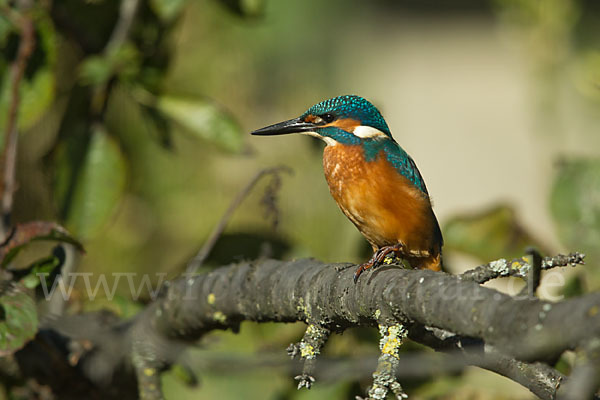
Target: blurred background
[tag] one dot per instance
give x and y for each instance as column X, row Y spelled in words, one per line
column 138, row 141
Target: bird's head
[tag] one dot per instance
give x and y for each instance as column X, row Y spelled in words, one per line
column 344, row 119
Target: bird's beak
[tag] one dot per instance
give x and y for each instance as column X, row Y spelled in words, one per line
column 296, row 125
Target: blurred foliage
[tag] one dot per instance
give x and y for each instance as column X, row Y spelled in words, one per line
column 203, row 119
column 126, row 141
column 18, row 318
column 98, row 185
column 489, row 235
column 575, row 207
column 37, row 90
column 587, row 74
column 240, row 246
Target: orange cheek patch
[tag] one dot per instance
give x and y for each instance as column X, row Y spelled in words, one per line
column 310, row 118
column 347, row 124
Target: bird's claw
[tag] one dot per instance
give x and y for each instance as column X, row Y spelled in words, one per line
column 360, row 269
column 381, row 256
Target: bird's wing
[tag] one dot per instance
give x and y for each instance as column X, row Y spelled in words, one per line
column 404, row 164
column 417, row 178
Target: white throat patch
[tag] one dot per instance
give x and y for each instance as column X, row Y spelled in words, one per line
column 363, row 131
column 329, row 141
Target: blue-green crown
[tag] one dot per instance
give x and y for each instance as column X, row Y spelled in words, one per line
column 352, row 106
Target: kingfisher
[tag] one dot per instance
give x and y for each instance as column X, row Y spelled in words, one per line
column 375, row 183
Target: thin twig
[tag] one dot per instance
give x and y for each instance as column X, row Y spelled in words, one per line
column 534, row 274
column 9, row 155
column 519, row 267
column 121, row 30
column 204, row 252
column 541, row 379
column 119, row 35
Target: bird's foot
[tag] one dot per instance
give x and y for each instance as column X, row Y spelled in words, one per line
column 383, row 255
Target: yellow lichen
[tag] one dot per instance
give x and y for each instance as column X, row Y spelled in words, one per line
column 391, row 339
column 593, row 311
column 391, row 347
column 307, row 351
column 516, row 265
column 211, row 298
column 149, row 371
column 219, row 317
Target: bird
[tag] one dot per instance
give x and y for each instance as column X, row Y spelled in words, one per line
column 373, row 180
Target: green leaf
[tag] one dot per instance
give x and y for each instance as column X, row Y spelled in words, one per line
column 95, row 70
column 18, row 318
column 27, row 232
column 36, row 96
column 252, row 8
column 575, row 206
column 167, row 9
column 124, row 62
column 489, row 235
column 6, row 27
column 203, row 119
column 99, row 186
column 43, row 266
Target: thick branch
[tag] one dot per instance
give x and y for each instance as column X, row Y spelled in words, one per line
column 310, row 291
column 317, row 293
column 541, row 379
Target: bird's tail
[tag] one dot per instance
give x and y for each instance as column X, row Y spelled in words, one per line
column 432, row 262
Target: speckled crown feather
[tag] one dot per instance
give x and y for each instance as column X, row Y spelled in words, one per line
column 352, row 106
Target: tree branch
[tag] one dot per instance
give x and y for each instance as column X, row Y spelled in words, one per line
column 519, row 267
column 516, row 332
column 541, row 379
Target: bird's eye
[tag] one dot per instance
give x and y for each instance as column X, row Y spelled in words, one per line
column 328, row 117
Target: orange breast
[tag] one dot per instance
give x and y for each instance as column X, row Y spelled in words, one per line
column 385, row 207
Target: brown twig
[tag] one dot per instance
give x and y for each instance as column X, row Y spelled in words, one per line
column 204, row 252
column 9, row 154
column 119, row 34
column 121, row 30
